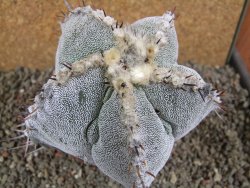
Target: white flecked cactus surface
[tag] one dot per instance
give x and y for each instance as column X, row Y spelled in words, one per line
column 118, row 99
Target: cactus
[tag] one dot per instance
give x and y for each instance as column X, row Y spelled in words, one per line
column 118, row 99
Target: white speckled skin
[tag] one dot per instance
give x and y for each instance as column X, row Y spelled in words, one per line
column 82, row 34
column 65, row 112
column 150, row 26
column 181, row 109
column 112, row 144
column 81, row 116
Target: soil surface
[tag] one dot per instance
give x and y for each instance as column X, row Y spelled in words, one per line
column 215, row 154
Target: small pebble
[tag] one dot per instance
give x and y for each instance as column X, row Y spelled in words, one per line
column 173, row 178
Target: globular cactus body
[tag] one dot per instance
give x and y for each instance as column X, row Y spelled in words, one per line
column 119, row 99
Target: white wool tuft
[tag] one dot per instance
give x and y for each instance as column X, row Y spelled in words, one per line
column 109, row 20
column 111, row 56
column 119, row 33
column 63, row 75
column 159, row 35
column 140, row 46
column 98, row 14
column 141, row 74
column 177, row 81
column 78, row 67
column 168, row 16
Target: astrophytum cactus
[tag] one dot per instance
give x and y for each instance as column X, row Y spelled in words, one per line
column 118, row 99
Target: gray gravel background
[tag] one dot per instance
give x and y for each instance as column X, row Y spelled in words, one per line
column 216, row 154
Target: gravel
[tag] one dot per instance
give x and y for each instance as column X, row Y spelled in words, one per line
column 215, row 154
